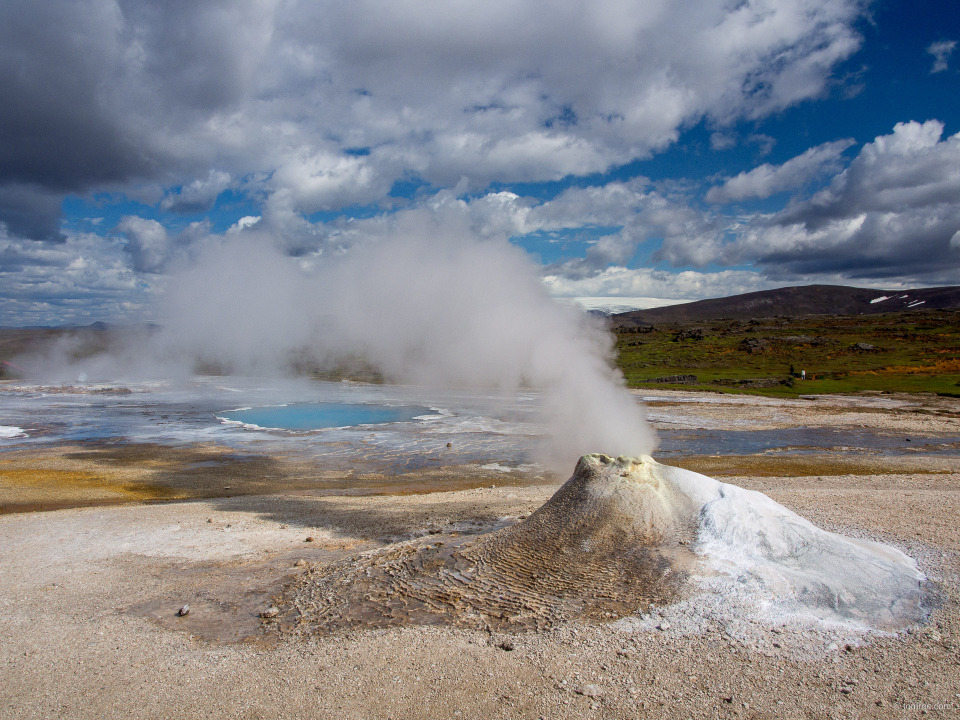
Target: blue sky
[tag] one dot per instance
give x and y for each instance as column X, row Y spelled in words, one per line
column 641, row 153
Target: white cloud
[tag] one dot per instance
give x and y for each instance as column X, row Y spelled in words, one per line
column 893, row 211
column 325, row 181
column 605, row 205
column 941, row 52
column 722, row 141
column 147, row 242
column 648, row 283
column 315, row 106
column 767, row 180
column 328, row 103
column 152, row 249
column 247, row 221
column 199, row 195
column 909, row 169
column 82, row 279
column 636, row 210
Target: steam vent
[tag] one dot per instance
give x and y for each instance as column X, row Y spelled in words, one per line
column 619, row 536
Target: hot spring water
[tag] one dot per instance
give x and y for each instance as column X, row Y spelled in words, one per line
column 320, row 415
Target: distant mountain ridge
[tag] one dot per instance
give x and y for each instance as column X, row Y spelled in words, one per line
column 797, row 301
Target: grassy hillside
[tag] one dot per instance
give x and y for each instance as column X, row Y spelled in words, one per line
column 911, row 352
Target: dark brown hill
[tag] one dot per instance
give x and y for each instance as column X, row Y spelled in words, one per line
column 797, row 301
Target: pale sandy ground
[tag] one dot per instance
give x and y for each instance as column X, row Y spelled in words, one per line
column 88, row 600
column 894, row 412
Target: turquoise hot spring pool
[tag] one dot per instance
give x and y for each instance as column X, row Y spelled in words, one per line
column 320, row 415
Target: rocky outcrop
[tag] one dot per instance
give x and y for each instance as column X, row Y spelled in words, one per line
column 691, row 334
column 674, row 379
column 754, row 346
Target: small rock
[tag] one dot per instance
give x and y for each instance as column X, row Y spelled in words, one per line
column 590, row 691
column 506, row 645
column 449, row 445
column 184, row 611
column 663, row 625
column 300, row 563
column 309, row 539
column 270, row 612
column 209, row 520
column 846, row 689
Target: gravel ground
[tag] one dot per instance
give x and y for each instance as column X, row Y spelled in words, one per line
column 89, row 625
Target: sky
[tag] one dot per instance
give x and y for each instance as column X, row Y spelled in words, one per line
column 640, row 153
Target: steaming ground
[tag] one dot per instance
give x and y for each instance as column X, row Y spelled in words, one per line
column 90, row 595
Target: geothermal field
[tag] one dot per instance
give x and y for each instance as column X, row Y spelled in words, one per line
column 168, row 556
column 436, row 499
column 498, row 360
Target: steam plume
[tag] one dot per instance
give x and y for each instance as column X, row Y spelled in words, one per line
column 424, row 301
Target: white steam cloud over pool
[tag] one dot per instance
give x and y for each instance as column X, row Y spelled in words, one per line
column 425, row 301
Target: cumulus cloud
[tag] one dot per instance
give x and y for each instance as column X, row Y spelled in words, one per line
column 941, row 52
column 199, row 195
column 648, row 283
column 147, row 243
column 612, row 204
column 616, row 249
column 326, row 104
column 152, row 249
column 767, row 180
column 73, row 282
column 909, row 169
column 893, row 211
column 637, row 211
column 722, row 141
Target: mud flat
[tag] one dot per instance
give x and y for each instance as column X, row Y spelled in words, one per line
column 98, row 473
column 89, row 599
